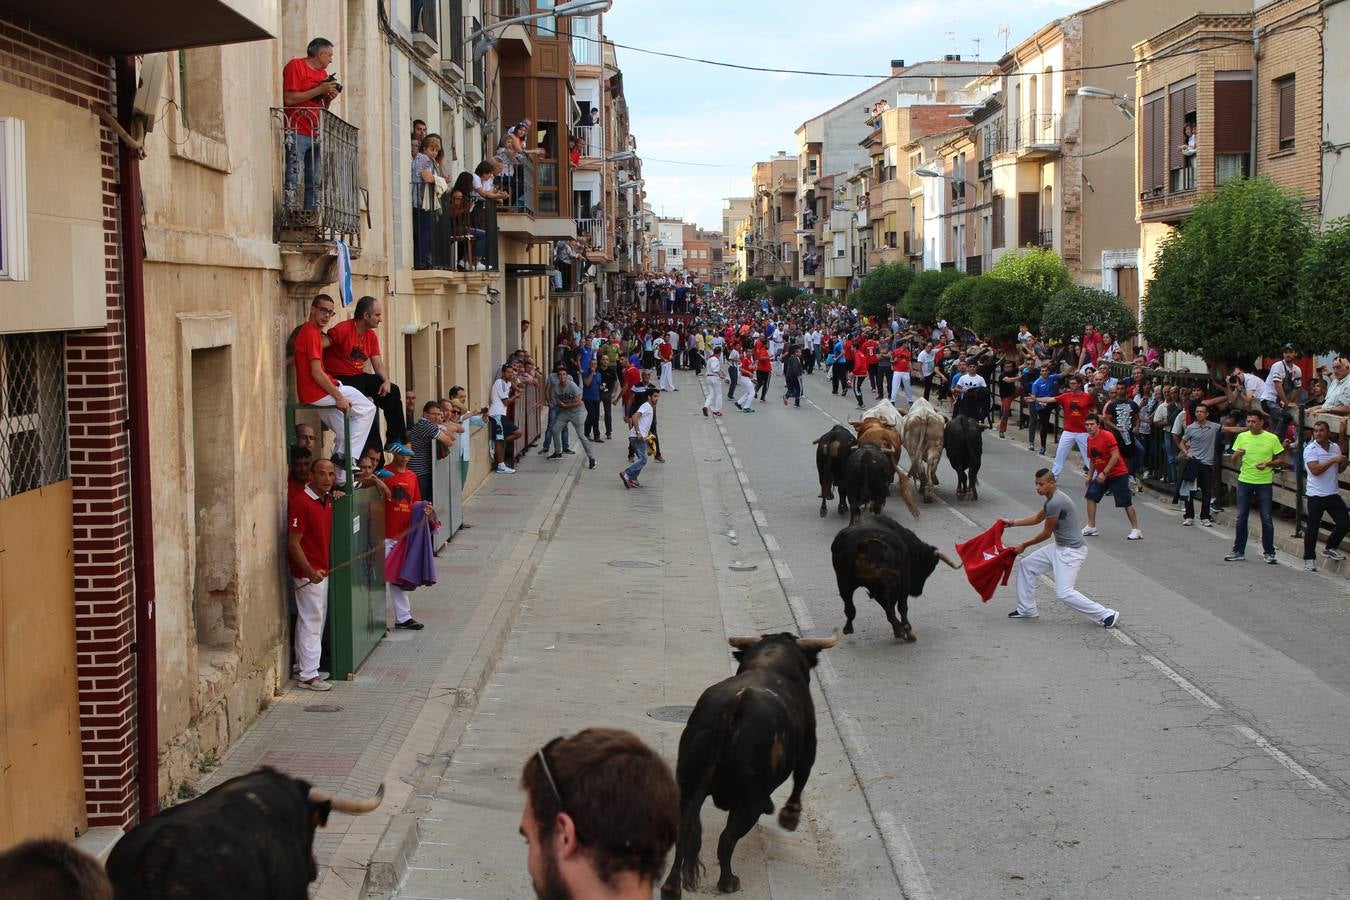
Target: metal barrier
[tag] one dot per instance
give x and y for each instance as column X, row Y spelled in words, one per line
column 447, row 492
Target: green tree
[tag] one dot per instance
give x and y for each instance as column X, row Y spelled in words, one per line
column 1075, row 307
column 956, row 303
column 750, row 289
column 883, row 286
column 999, row 305
column 1225, row 285
column 1324, row 285
column 920, row 302
column 1040, row 268
column 784, row 293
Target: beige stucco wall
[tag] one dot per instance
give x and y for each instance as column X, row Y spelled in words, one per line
column 1336, row 109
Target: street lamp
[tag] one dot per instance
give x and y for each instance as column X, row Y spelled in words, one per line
column 483, row 39
column 622, row 156
column 1123, row 102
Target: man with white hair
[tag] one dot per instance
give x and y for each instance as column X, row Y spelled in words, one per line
column 712, row 381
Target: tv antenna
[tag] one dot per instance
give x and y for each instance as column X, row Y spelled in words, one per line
column 951, row 39
column 1003, row 32
column 977, row 48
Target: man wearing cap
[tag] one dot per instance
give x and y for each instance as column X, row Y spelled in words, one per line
column 1281, row 386
column 403, row 493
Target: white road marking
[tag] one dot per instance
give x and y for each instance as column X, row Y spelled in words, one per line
column 784, row 573
column 800, row 613
column 760, row 519
column 736, row 463
column 956, row 512
column 771, row 542
column 750, row 497
column 1281, row 757
column 740, row 476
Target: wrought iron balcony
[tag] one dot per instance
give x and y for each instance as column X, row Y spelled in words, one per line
column 321, row 192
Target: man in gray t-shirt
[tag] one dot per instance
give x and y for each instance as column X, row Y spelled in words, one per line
column 1199, row 443
column 1064, row 557
column 567, row 400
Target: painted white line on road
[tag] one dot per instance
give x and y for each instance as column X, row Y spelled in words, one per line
column 1167, row 671
column 1162, row 509
column 750, row 496
column 956, row 512
column 760, row 519
column 1281, row 757
column 741, row 477
column 736, row 463
column 770, row 542
column 799, row 612
column 784, row 573
column 731, row 451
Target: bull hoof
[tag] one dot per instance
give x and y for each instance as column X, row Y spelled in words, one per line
column 848, row 628
column 728, row 884
column 670, row 891
column 789, row 817
column 927, row 499
column 823, row 511
column 908, row 637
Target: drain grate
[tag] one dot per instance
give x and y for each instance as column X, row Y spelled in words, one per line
column 633, row 564
column 678, row 714
column 323, row 707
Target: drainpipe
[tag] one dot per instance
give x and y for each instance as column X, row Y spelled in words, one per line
column 1256, row 92
column 142, row 522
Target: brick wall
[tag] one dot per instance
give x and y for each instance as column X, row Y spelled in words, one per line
column 1291, row 47
column 96, row 392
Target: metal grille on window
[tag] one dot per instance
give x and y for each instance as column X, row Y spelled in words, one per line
column 32, row 412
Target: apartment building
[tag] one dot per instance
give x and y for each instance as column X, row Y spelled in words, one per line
column 699, row 248
column 831, row 143
column 771, row 242
column 670, row 255
column 1335, row 107
column 735, row 216
column 1250, row 114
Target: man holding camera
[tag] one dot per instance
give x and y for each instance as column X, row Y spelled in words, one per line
column 306, row 90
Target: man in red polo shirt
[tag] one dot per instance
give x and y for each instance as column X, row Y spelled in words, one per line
column 763, row 369
column 901, row 363
column 1109, row 474
column 315, row 388
column 871, row 350
column 404, row 491
column 310, row 530
column 306, row 90
column 1076, row 404
column 347, row 347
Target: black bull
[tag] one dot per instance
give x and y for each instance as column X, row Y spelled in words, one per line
column 252, row 836
column 832, row 449
column 747, row 734
column 890, row 561
column 963, row 439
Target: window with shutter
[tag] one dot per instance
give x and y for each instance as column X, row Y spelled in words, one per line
column 1152, row 142
column 998, row 226
column 1284, row 103
column 1232, row 125
column 1181, row 154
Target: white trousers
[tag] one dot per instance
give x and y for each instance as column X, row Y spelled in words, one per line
column 1065, row 563
column 1068, row 439
column 898, row 379
column 402, row 605
column 745, row 392
column 362, row 417
column 712, row 393
column 667, row 380
column 311, row 606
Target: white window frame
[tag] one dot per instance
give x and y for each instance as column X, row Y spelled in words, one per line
column 13, row 201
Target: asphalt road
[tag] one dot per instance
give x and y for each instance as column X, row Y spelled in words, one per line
column 1202, row 749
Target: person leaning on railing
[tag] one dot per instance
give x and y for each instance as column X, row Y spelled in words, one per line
column 306, row 90
column 460, row 207
column 427, row 186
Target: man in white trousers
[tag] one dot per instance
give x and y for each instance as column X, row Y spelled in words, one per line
column 404, row 491
column 1076, row 404
column 712, row 383
column 745, row 384
column 309, row 518
column 1064, row 557
column 315, row 388
column 665, row 353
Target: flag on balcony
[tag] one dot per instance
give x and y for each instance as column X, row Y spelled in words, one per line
column 344, row 272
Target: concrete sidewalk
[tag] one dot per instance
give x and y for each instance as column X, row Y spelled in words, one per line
column 629, row 612
column 384, row 725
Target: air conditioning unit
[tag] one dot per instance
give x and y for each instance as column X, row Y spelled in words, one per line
column 151, row 88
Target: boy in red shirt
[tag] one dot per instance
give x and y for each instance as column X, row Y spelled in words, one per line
column 859, row 373
column 1109, row 474
column 315, row 388
column 309, row 517
column 901, row 363
column 763, row 368
column 404, row 491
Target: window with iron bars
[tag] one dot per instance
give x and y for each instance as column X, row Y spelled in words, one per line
column 33, row 450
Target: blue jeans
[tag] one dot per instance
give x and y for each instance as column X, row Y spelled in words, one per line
column 1170, row 450
column 1262, row 494
column 548, row 432
column 638, row 447
column 302, row 153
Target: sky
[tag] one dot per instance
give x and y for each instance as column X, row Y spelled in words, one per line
column 725, row 119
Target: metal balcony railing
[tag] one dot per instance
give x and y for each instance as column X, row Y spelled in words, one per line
column 1034, row 130
column 1045, row 238
column 591, row 232
column 447, row 234
column 522, row 183
column 592, row 139
column 321, row 192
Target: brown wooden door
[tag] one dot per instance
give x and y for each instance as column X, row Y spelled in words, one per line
column 1028, row 218
column 1127, row 287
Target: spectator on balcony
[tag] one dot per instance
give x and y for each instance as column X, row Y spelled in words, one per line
column 1187, row 146
column 459, row 205
column 419, row 131
column 427, row 187
column 315, row 388
column 306, row 91
column 590, row 118
column 485, row 185
column 575, row 146
column 347, row 347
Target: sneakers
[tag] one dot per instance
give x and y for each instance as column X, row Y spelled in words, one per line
column 1271, row 559
column 1018, row 614
column 1111, row 620
column 569, row 451
column 1216, row 509
column 555, row 456
column 1031, row 448
column 1002, row 436
column 544, row 452
column 627, row 482
column 1235, row 556
column 1134, row 535
column 1187, row 521
column 397, row 447
column 316, row 684
column 1208, row 523
column 1042, row 451
column 410, row 624
column 1089, row 531
column 1334, row 554
column 1310, row 565
column 504, row 469
column 591, row 464
column 705, row 410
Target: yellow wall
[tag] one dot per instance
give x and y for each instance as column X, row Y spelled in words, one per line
column 41, row 779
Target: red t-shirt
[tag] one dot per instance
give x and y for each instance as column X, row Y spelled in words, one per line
column 848, row 351
column 303, row 118
column 348, row 351
column 860, row 363
column 312, row 519
column 763, row 362
column 631, row 377
column 666, row 352
column 869, row 349
column 1099, row 451
column 747, row 366
column 403, row 493
column 900, row 359
column 1076, row 407
column 308, row 346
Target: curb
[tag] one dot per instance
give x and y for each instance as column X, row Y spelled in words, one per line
column 389, row 862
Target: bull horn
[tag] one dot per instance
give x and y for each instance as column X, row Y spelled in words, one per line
column 349, row 805
column 818, row 643
column 743, row 643
column 948, row 560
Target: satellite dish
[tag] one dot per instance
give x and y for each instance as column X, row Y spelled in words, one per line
column 150, row 91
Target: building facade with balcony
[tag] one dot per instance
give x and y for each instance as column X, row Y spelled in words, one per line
column 770, row 242
column 1247, row 115
column 735, row 217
